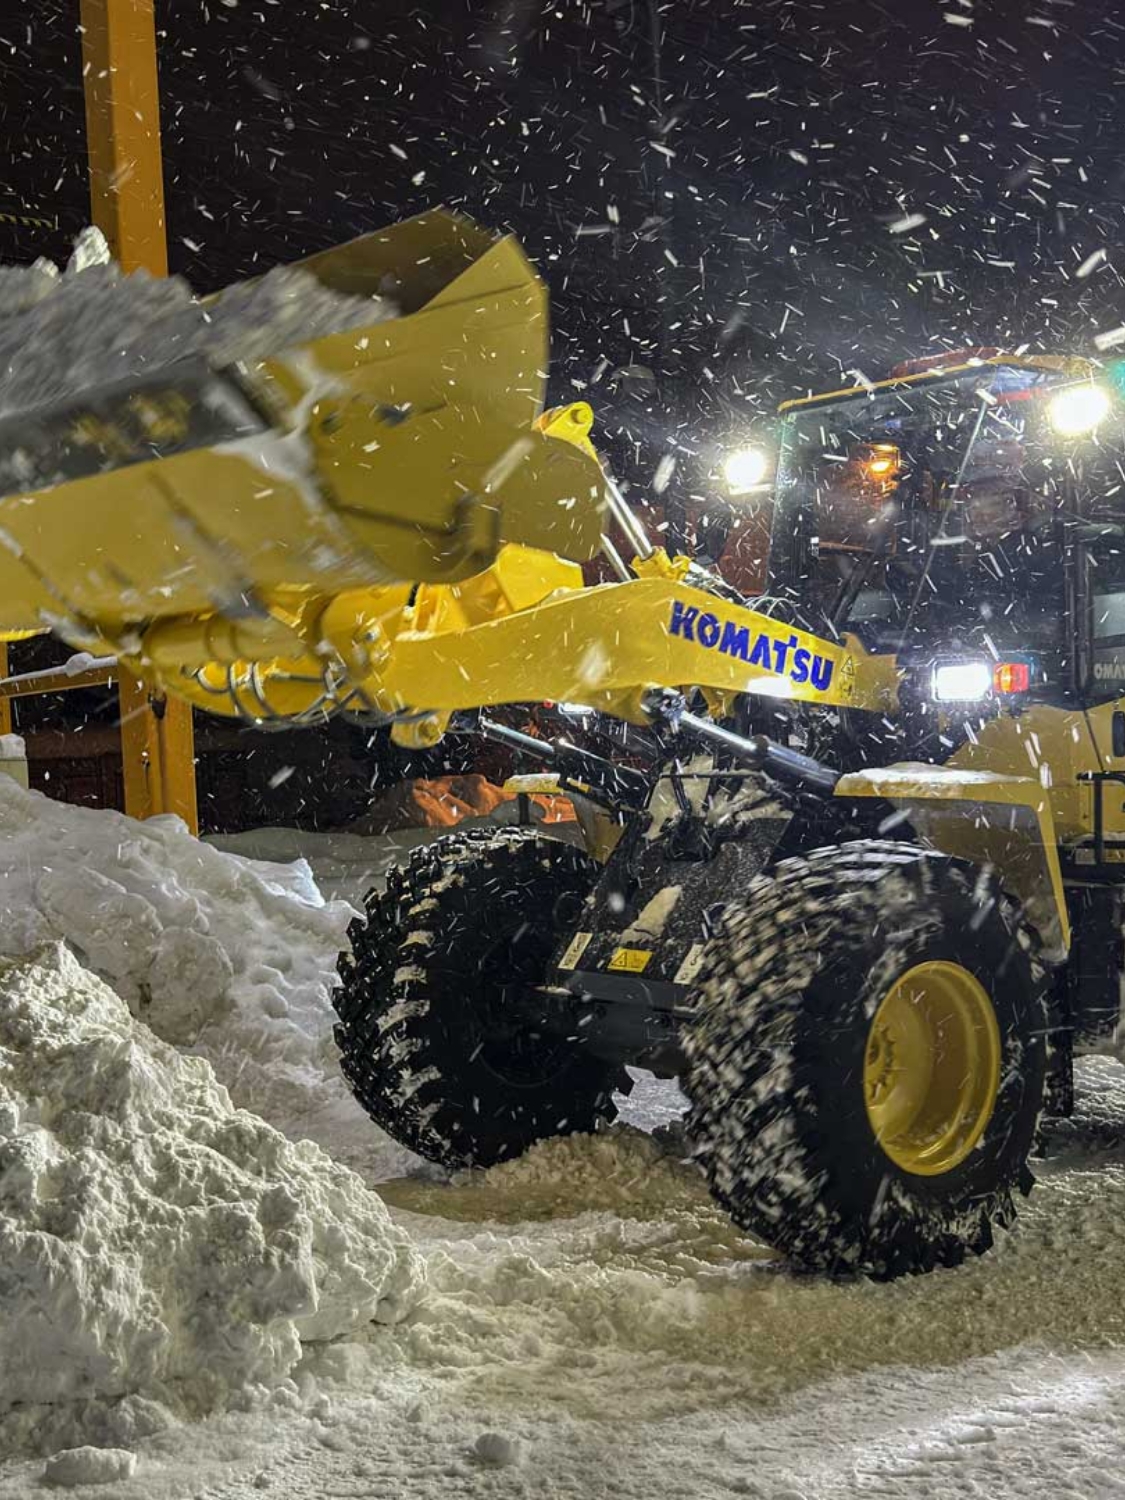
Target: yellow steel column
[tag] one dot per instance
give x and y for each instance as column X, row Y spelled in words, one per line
column 127, row 203
column 5, row 703
column 123, row 130
column 158, row 753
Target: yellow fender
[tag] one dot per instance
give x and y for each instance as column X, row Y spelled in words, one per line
column 1004, row 822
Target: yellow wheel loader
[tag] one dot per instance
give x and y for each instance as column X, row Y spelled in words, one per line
column 852, row 873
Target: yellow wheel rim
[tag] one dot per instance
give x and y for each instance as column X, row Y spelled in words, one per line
column 931, row 1072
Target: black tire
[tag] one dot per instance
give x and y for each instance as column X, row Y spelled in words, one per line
column 426, row 1042
column 776, row 1055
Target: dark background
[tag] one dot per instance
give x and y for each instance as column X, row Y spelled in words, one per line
column 714, row 191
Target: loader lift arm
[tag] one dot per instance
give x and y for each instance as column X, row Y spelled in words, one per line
column 381, row 521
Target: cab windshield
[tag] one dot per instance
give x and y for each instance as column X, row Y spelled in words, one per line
column 945, row 510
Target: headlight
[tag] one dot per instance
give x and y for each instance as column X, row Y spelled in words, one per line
column 745, row 469
column 1078, row 410
column 973, row 679
column 961, row 681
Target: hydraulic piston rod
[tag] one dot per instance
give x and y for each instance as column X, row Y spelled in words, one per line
column 762, row 753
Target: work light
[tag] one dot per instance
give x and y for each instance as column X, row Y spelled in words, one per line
column 961, row 681
column 745, row 469
column 971, row 679
column 1078, row 409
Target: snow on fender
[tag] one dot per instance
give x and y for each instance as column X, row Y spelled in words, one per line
column 154, row 1241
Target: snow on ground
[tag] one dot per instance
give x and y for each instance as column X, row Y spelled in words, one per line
column 590, row 1306
column 593, row 1325
column 160, row 1251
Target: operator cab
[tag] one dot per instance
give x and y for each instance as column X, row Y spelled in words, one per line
column 977, row 508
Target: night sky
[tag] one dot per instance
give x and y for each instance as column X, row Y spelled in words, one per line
column 731, row 202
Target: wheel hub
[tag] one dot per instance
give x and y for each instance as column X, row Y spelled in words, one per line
column 932, row 1067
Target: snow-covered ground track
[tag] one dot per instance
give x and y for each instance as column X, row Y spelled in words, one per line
column 591, row 1324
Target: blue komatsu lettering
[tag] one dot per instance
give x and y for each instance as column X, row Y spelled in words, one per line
column 821, row 673
column 683, row 618
column 760, row 654
column 708, row 630
column 736, row 640
column 781, row 650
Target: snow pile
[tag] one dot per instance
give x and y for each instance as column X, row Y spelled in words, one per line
column 64, row 335
column 344, row 865
column 75, row 1466
column 230, row 956
column 157, row 1245
column 498, row 1451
